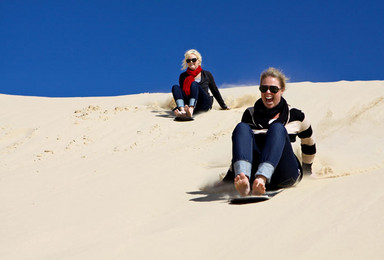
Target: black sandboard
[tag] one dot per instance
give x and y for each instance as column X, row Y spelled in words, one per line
column 183, row 118
column 254, row 198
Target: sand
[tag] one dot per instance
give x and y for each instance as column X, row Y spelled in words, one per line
column 117, row 178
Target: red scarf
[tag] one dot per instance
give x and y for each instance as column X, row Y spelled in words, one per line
column 189, row 79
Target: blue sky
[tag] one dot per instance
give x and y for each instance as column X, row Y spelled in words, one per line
column 76, row 48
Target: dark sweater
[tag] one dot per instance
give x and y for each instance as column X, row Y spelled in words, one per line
column 207, row 83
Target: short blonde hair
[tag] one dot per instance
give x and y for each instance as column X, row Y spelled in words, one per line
column 186, row 56
column 274, row 73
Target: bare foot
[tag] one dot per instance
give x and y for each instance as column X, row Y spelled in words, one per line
column 176, row 112
column 242, row 184
column 258, row 187
column 189, row 111
column 180, row 112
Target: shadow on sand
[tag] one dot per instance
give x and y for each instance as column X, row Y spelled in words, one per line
column 220, row 192
column 164, row 113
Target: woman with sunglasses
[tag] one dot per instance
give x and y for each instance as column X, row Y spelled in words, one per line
column 192, row 93
column 262, row 155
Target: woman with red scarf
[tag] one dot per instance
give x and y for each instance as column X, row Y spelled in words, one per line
column 192, row 93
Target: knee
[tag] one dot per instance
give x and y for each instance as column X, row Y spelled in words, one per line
column 277, row 128
column 175, row 87
column 242, row 129
column 195, row 86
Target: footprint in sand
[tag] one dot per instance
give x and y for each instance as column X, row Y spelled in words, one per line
column 11, row 138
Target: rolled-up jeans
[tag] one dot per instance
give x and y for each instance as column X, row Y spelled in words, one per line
column 198, row 98
column 277, row 151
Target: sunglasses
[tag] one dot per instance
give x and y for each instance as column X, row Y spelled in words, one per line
column 273, row 89
column 191, row 60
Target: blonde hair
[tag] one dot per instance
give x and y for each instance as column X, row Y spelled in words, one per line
column 186, row 56
column 274, row 73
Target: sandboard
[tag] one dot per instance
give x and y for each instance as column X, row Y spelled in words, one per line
column 253, row 198
column 183, row 118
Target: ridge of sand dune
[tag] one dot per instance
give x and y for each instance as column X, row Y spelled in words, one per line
column 117, row 178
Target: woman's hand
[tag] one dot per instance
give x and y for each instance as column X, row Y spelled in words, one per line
column 307, row 168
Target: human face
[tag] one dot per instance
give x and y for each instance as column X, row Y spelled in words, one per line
column 270, row 100
column 193, row 65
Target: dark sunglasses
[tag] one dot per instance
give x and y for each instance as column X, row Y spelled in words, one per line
column 273, row 89
column 189, row 60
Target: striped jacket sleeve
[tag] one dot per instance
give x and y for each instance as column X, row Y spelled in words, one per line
column 298, row 125
column 308, row 146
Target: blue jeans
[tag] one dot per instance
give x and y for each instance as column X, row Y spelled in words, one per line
column 200, row 99
column 276, row 150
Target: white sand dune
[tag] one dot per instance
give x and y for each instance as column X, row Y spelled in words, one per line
column 117, row 178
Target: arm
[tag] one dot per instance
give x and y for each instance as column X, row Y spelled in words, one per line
column 215, row 91
column 182, row 78
column 308, row 146
column 247, row 116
